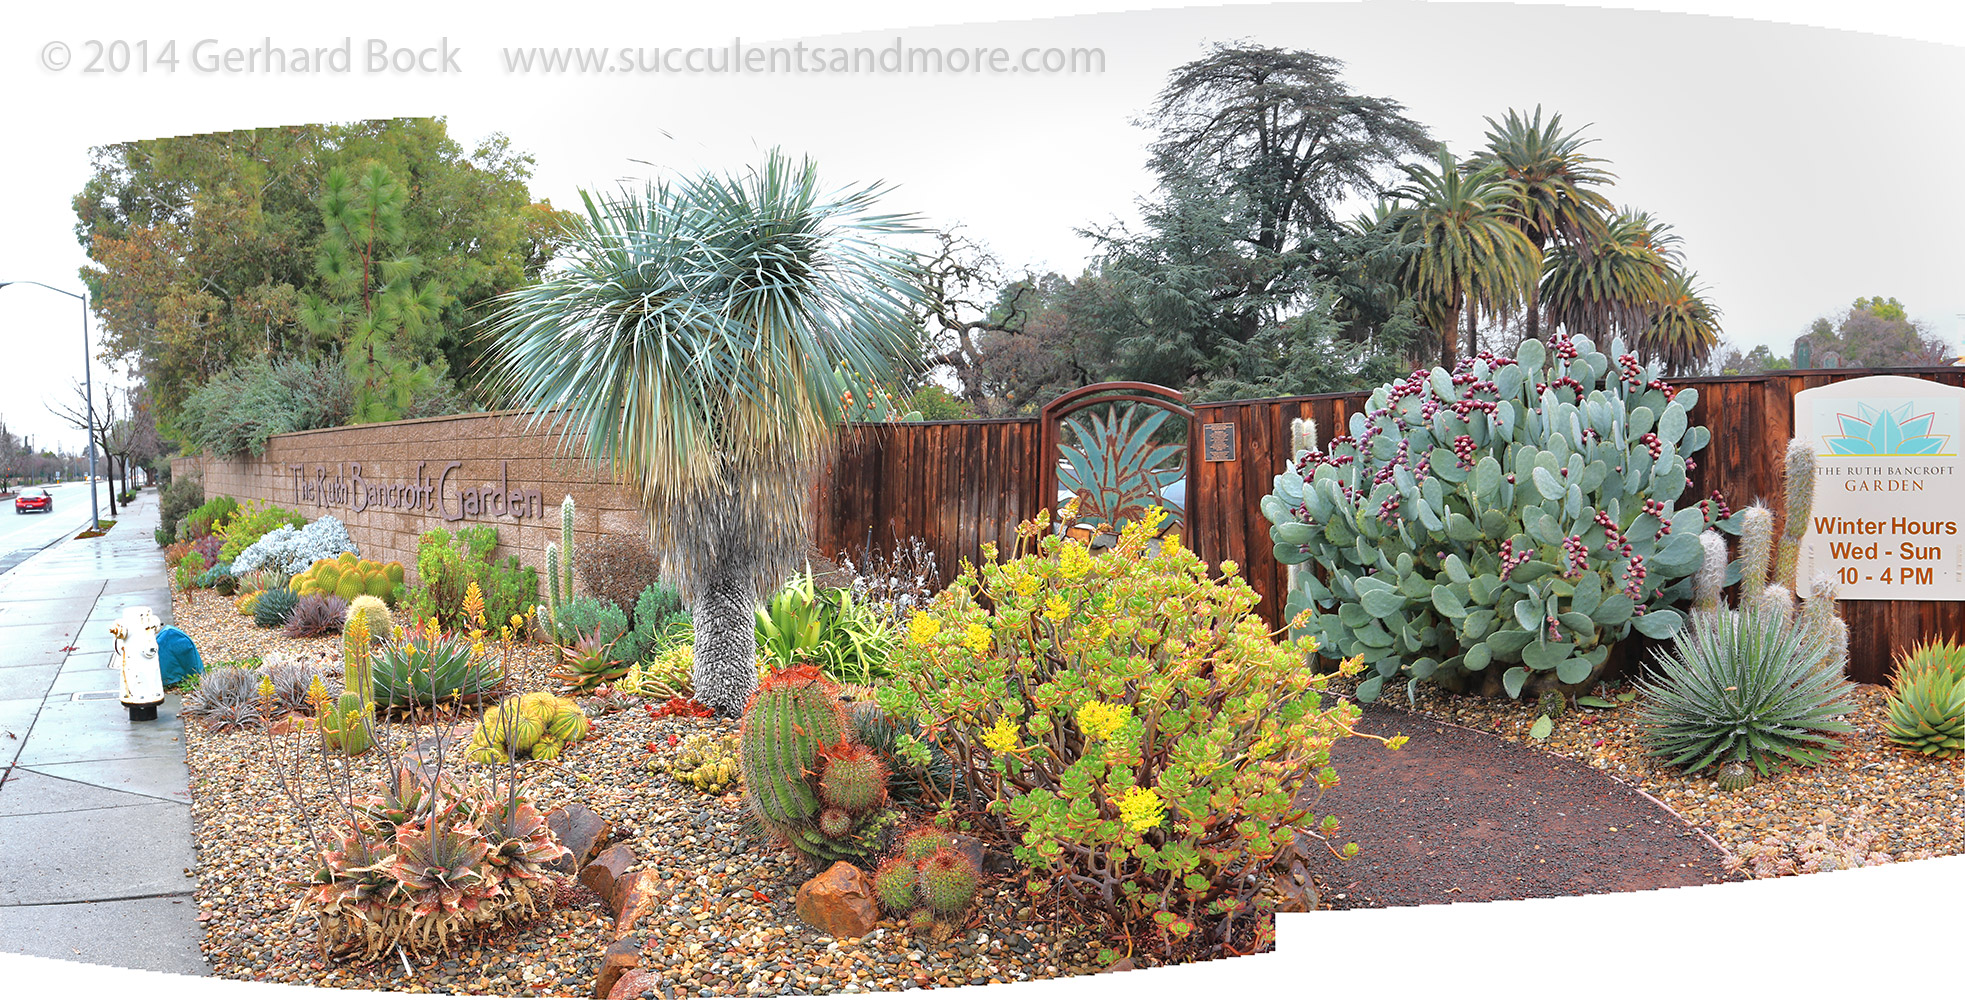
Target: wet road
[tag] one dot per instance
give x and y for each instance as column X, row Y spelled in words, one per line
column 22, row 535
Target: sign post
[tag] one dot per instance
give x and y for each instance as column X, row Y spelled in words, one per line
column 1889, row 513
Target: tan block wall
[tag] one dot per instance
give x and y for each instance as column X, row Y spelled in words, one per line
column 315, row 472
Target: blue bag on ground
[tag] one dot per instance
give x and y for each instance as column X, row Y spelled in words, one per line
column 177, row 656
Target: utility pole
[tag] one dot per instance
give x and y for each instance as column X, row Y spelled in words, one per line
column 88, row 394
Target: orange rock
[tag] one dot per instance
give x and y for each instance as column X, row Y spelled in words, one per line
column 839, row 901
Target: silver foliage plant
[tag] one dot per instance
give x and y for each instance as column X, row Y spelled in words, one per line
column 291, row 550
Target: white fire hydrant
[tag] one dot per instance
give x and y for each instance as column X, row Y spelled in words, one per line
column 136, row 659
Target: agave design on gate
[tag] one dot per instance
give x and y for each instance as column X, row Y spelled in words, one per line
column 1115, row 466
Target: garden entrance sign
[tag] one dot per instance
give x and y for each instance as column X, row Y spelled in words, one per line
column 1120, row 447
column 1889, row 516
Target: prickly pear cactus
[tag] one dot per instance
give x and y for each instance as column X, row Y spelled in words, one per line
column 1499, row 527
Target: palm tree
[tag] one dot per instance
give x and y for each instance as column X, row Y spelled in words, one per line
column 1464, row 250
column 689, row 345
column 1552, row 181
column 1684, row 329
column 1612, row 285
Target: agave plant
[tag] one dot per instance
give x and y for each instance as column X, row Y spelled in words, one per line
column 425, row 666
column 1927, row 700
column 273, row 608
column 1744, row 686
column 588, row 663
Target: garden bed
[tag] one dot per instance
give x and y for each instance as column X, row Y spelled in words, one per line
column 722, row 920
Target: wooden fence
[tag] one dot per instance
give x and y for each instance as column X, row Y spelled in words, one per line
column 959, row 483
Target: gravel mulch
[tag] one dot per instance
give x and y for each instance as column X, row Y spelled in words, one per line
column 1873, row 801
column 723, row 921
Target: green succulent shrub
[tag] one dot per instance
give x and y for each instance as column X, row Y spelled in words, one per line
column 846, row 637
column 250, row 523
column 1746, row 686
column 446, row 566
column 1130, row 729
column 588, row 618
column 660, row 622
column 425, row 862
column 1926, row 707
column 207, row 517
column 1499, row 527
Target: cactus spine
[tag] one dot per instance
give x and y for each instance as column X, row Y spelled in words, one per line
column 1711, row 577
column 1756, row 541
column 793, row 730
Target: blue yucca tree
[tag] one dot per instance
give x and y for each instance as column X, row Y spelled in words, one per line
column 690, row 343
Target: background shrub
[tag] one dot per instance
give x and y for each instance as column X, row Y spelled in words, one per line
column 206, row 517
column 617, row 568
column 239, row 409
column 446, row 565
column 1128, row 727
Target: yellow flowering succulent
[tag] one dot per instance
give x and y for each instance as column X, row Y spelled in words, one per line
column 1101, row 721
column 923, row 627
column 977, row 638
column 1073, row 560
column 1057, row 608
column 1001, row 737
column 1141, row 809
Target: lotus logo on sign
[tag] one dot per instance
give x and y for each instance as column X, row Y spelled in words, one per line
column 1889, row 517
column 1896, row 432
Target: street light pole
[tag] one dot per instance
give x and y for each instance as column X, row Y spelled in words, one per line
column 88, row 395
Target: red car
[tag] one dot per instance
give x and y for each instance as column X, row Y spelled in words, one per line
column 43, row 501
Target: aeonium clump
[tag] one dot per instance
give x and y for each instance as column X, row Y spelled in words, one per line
column 1129, row 727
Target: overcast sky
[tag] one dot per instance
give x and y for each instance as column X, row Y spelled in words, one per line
column 1804, row 166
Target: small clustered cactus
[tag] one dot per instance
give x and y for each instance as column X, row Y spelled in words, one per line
column 804, row 779
column 707, row 763
column 538, row 725
column 926, row 878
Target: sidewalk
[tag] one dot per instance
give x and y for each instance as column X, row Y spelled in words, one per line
column 95, row 814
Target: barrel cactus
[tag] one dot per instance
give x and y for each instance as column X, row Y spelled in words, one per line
column 537, row 725
column 1499, row 527
column 793, row 739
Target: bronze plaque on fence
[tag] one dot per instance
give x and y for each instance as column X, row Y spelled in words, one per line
column 1218, row 442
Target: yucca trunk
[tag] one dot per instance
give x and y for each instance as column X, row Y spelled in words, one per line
column 736, row 543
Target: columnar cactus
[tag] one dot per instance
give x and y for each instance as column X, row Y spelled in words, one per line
column 1766, row 580
column 793, row 733
column 344, row 723
column 559, row 566
column 1499, row 526
column 1798, row 487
